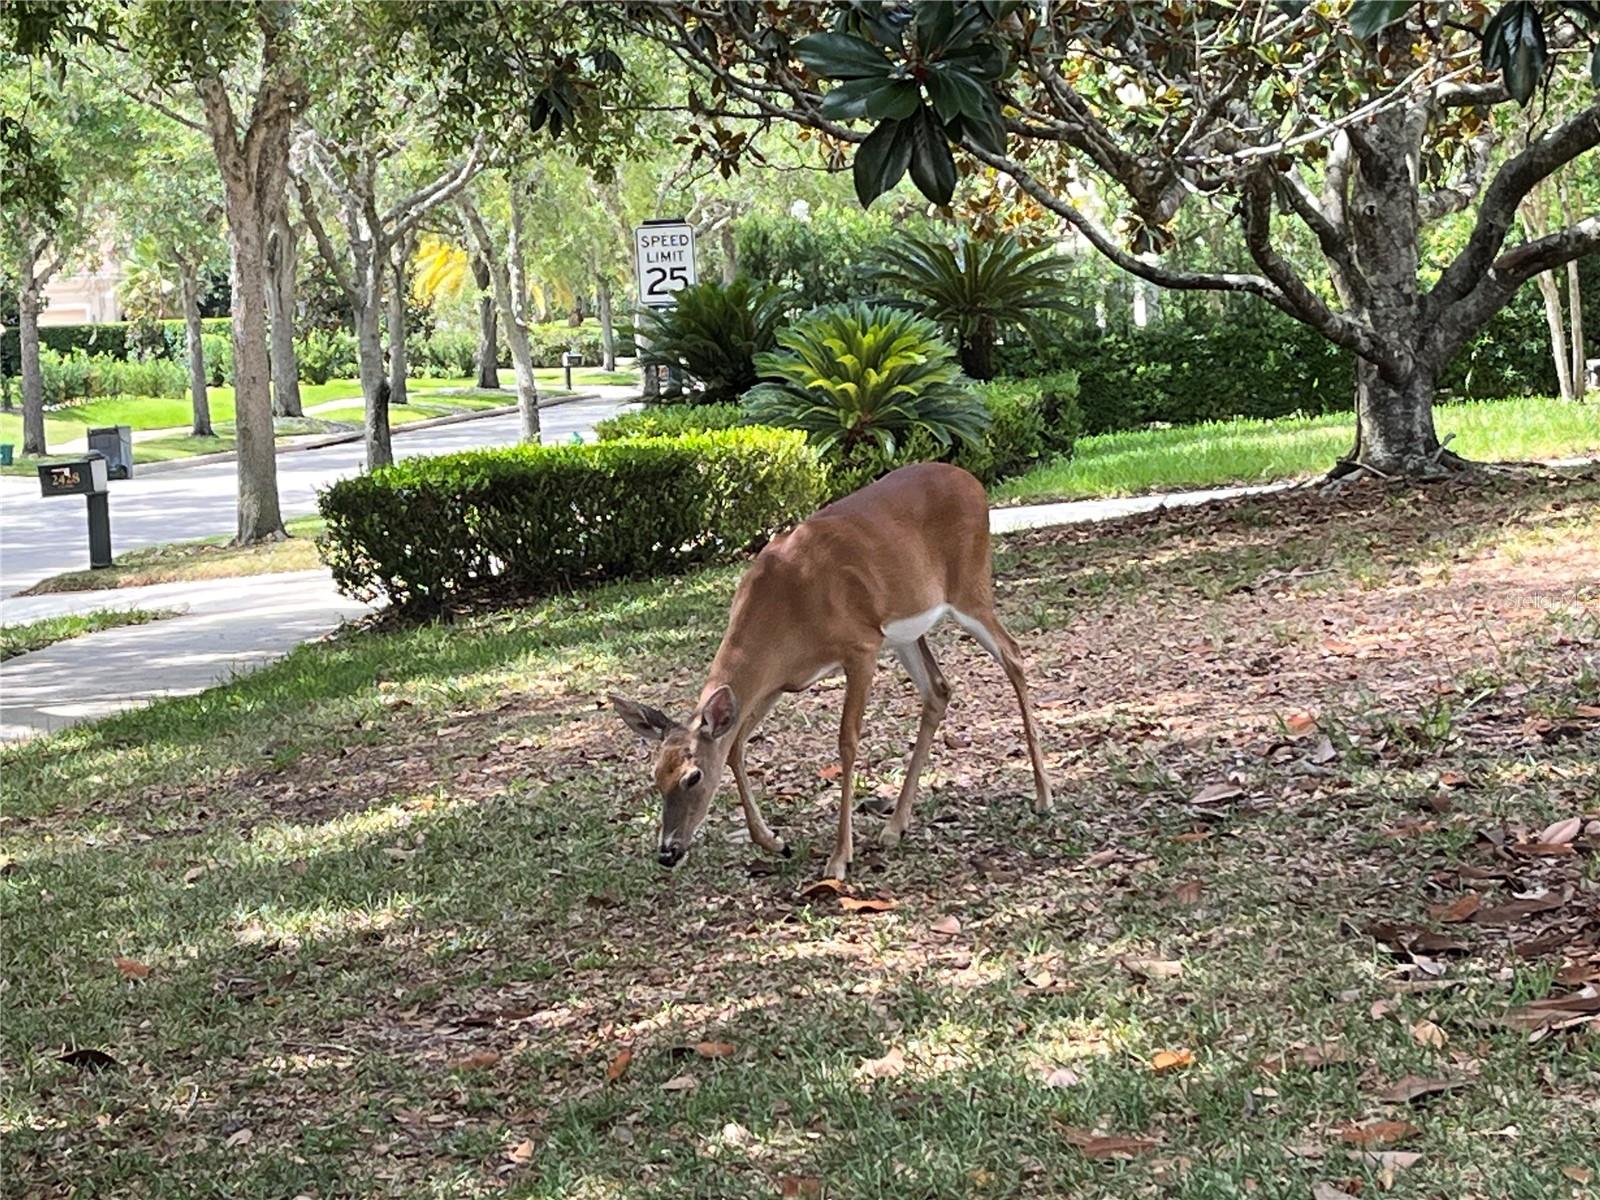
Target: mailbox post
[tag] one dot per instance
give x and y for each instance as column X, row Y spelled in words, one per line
column 570, row 359
column 84, row 477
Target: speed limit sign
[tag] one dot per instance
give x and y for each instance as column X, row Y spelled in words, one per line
column 663, row 251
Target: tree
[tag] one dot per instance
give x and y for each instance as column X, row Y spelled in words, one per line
column 173, row 206
column 283, row 256
column 1359, row 123
column 507, row 274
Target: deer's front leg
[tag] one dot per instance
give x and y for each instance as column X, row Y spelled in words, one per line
column 858, row 682
column 760, row 834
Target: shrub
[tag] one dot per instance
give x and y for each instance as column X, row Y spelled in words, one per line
column 447, row 353
column 672, row 420
column 714, row 333
column 817, row 258
column 858, row 375
column 111, row 339
column 75, row 377
column 976, row 289
column 325, row 354
column 532, row 519
column 1029, row 420
column 218, row 348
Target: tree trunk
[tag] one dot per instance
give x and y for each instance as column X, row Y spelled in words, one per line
column 374, row 381
column 260, row 518
column 977, row 351
column 730, row 252
column 487, row 354
column 1580, row 376
column 1550, row 290
column 28, row 306
column 397, row 327
column 608, row 333
column 510, row 297
column 196, row 352
column 1395, row 434
column 281, row 256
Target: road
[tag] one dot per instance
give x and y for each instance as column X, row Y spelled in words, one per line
column 40, row 537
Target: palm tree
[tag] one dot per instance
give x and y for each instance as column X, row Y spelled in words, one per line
column 976, row 288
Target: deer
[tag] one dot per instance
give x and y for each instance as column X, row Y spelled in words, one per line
column 874, row 570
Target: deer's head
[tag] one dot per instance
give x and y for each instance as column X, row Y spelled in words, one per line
column 688, row 766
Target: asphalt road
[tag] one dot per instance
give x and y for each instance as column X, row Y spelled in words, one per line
column 40, row 537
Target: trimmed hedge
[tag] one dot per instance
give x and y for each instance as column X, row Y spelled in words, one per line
column 121, row 340
column 75, row 377
column 532, row 519
column 669, row 420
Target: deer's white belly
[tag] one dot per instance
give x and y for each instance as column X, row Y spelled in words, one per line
column 907, row 630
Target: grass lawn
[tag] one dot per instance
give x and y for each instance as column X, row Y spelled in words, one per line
column 36, row 635
column 207, row 558
column 382, row 919
column 1221, row 452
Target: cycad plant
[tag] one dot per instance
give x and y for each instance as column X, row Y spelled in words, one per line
column 976, row 288
column 865, row 376
column 713, row 334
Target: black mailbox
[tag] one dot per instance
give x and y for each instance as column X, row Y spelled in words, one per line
column 116, row 443
column 80, row 477
column 84, row 477
column 570, row 359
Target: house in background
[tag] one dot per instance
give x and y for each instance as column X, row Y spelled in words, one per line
column 87, row 297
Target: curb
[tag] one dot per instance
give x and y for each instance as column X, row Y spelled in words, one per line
column 340, row 439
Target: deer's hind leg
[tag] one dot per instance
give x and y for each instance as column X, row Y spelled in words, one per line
column 919, row 663
column 980, row 621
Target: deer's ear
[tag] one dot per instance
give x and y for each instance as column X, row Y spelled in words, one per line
column 647, row 722
column 717, row 715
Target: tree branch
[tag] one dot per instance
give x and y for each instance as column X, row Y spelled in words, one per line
column 319, row 234
column 1499, row 207
column 403, row 216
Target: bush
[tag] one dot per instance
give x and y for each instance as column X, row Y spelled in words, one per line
column 672, row 420
column 713, row 334
column 532, row 519
column 76, row 377
column 448, row 354
column 859, row 375
column 818, row 259
column 1029, row 420
column 119, row 340
column 326, row 354
column 218, row 349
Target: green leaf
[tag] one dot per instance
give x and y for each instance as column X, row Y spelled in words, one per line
column 933, row 167
column 1594, row 66
column 894, row 101
column 881, row 160
column 1514, row 45
column 987, row 133
column 1367, row 17
column 841, row 56
column 956, row 93
column 848, row 100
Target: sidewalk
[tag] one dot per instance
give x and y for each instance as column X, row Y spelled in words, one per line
column 235, row 625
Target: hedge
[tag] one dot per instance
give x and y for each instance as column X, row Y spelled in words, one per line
column 76, row 377
column 120, row 340
column 669, row 420
column 532, row 519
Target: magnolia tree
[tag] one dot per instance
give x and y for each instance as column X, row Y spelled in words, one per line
column 1361, row 123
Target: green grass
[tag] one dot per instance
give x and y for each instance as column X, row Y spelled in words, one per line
column 1224, row 452
column 388, row 909
column 36, row 635
column 205, row 558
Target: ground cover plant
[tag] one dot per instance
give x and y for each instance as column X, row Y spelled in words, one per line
column 381, row 919
column 28, row 636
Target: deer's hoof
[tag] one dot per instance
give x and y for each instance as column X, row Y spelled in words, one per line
column 889, row 836
column 838, row 868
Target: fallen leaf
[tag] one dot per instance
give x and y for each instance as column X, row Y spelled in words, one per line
column 1216, row 792
column 887, row 1067
column 1101, row 858
column 131, row 968
column 89, row 1059
column 1300, row 723
column 1426, row 1033
column 946, row 925
column 193, row 873
column 820, row 886
column 1155, row 968
column 239, row 1137
column 1172, row 1060
column 1578, row 1174
column 1415, row 1087
column 680, row 1083
column 1378, row 1133
column 1326, row 1191
column 1102, row 1146
column 714, row 1049
column 1062, row 1077
column 1324, row 752
column 831, row 771
column 1458, row 910
column 1388, row 1160
column 1189, row 891
column 475, row 1062
column 1561, row 832
column 1193, row 836
column 1454, row 779
column 867, row 903
column 1513, row 911
column 1039, row 977
column 521, row 1153
column 1309, row 1057
column 619, row 1064
column 799, row 1187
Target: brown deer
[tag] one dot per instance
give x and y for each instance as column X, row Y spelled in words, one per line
column 878, row 568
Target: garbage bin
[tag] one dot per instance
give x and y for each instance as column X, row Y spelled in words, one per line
column 116, row 443
column 5, row 453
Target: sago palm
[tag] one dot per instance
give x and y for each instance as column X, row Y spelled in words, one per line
column 713, row 333
column 861, row 374
column 976, row 288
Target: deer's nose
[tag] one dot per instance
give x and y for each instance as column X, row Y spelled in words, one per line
column 670, row 855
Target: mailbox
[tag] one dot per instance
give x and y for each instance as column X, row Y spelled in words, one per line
column 80, row 477
column 84, row 477
column 116, row 443
column 570, row 359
